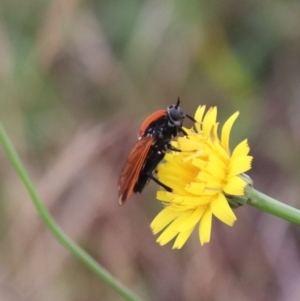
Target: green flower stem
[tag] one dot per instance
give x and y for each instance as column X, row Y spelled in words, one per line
column 267, row 204
column 62, row 237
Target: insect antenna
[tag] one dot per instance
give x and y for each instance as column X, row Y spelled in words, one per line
column 190, row 117
column 178, row 102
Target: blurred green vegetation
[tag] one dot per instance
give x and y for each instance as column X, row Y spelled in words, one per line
column 76, row 80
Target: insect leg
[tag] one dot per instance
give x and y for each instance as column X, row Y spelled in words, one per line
column 159, row 183
column 183, row 131
column 152, row 168
column 173, row 148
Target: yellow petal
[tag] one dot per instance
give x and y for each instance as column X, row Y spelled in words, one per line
column 169, row 156
column 221, row 209
column 174, row 170
column 195, row 188
column 182, row 238
column 177, row 187
column 199, row 153
column 200, row 163
column 190, row 132
column 205, row 226
column 215, row 170
column 217, row 149
column 170, row 232
column 192, row 220
column 214, row 132
column 242, row 149
column 199, row 113
column 239, row 165
column 226, row 131
column 187, row 145
column 164, row 196
column 213, row 158
column 166, row 216
column 206, row 177
column 193, row 200
column 209, row 120
column 198, row 117
column 235, row 186
column 212, row 188
column 176, row 177
column 166, row 236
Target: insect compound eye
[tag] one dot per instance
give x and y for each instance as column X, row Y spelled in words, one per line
column 176, row 115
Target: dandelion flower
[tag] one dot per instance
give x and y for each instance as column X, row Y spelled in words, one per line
column 201, row 176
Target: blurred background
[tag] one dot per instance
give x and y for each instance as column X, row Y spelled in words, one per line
column 77, row 78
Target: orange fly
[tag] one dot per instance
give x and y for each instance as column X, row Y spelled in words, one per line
column 154, row 140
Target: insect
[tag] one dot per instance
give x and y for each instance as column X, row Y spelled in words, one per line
column 154, row 139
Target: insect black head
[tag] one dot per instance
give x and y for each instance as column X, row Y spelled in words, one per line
column 176, row 115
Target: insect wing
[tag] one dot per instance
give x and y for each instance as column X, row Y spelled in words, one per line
column 132, row 168
column 153, row 117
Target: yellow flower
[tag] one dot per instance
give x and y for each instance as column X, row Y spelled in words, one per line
column 201, row 176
